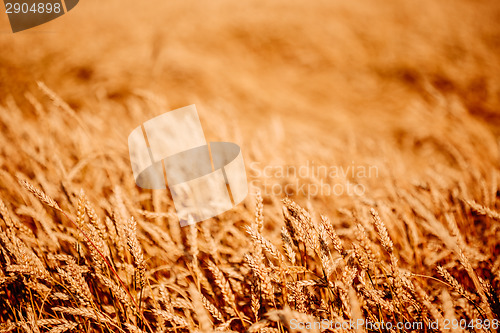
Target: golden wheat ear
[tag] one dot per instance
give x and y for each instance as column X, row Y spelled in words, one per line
column 52, row 203
column 40, row 195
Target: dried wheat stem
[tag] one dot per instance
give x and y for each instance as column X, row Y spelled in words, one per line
column 223, row 284
column 287, row 245
column 259, row 216
column 334, row 238
column 483, row 210
column 265, row 244
column 40, row 195
column 67, row 326
column 136, row 250
column 212, row 309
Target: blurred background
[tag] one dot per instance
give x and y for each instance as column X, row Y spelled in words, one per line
column 291, row 82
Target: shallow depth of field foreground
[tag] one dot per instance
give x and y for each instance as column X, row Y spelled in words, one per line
column 370, row 134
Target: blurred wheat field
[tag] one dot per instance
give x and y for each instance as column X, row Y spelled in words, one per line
column 409, row 88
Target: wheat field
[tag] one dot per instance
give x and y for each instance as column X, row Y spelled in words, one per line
column 409, row 91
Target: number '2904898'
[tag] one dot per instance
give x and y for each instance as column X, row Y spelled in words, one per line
column 39, row 7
